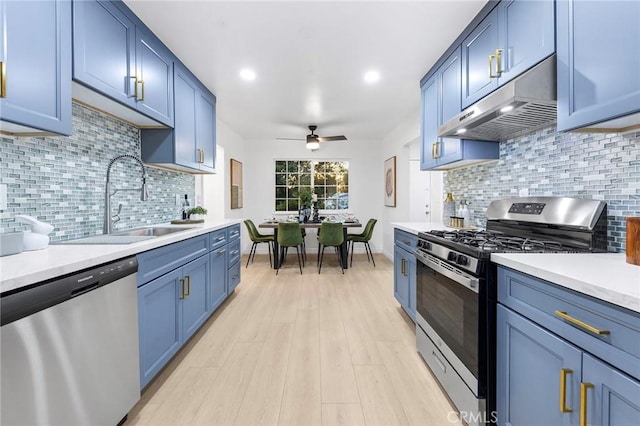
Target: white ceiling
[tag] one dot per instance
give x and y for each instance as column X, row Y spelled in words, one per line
column 310, row 58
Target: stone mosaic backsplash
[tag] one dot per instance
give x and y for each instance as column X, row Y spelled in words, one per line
column 545, row 163
column 61, row 180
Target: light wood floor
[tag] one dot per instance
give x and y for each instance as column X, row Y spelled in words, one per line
column 293, row 349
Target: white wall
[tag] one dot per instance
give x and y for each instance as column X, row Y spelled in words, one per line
column 414, row 188
column 366, row 183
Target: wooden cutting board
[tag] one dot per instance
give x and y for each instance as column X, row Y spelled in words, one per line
column 186, row 221
column 633, row 240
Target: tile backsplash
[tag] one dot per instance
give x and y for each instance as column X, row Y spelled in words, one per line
column 545, row 163
column 61, row 180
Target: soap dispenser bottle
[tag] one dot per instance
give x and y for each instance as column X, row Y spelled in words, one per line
column 38, row 237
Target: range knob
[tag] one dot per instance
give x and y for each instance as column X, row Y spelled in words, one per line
column 424, row 245
column 462, row 260
column 452, row 257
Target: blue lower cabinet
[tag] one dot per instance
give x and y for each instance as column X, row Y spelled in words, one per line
column 194, row 302
column 404, row 280
column 160, row 327
column 218, row 281
column 530, row 362
column 612, row 398
column 234, row 277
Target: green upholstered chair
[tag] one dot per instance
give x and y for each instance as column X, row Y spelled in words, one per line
column 257, row 238
column 289, row 235
column 330, row 234
column 364, row 238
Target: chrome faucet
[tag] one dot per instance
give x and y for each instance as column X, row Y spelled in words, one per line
column 144, row 194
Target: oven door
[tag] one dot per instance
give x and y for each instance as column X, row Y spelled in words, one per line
column 448, row 307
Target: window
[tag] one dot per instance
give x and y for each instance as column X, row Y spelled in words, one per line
column 329, row 180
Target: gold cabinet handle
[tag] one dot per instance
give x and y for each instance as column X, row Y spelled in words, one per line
column 491, row 74
column 139, row 94
column 188, row 285
column 133, row 80
column 563, row 390
column 499, row 69
column 438, row 153
column 433, row 150
column 182, row 286
column 584, row 387
column 202, row 161
column 3, row 80
column 581, row 324
column 221, row 252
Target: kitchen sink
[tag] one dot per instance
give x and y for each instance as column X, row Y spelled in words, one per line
column 127, row 237
column 154, row 231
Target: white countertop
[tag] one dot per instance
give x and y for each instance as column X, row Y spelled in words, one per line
column 415, row 227
column 605, row 276
column 30, row 267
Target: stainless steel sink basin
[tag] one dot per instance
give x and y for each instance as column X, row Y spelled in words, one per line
column 155, row 231
column 126, row 237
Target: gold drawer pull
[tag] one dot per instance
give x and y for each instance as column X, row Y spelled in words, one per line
column 182, row 285
column 188, row 286
column 584, row 387
column 499, row 69
column 581, row 324
column 563, row 390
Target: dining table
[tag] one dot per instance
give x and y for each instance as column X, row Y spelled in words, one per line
column 311, row 225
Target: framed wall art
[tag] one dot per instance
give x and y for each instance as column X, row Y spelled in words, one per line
column 236, row 184
column 390, row 182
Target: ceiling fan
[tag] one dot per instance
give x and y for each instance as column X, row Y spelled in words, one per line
column 313, row 140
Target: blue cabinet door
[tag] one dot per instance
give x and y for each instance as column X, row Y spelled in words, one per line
column 206, row 129
column 526, row 35
column 35, row 56
column 429, row 122
column 104, row 50
column 218, row 281
column 401, row 289
column 186, row 94
column 160, row 323
column 196, row 275
column 233, row 277
column 154, row 70
column 450, row 85
column 598, row 61
column 614, row 398
column 530, row 363
column 477, row 79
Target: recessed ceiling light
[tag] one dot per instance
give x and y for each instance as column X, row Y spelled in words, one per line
column 247, row 74
column 507, row 108
column 371, row 77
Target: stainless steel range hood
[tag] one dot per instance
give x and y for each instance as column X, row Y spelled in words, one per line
column 522, row 105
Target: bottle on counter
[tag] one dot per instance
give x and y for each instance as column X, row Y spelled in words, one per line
column 185, row 207
column 448, row 209
column 463, row 212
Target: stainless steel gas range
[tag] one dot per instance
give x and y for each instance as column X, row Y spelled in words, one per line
column 456, row 287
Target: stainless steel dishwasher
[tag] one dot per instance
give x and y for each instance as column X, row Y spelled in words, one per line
column 69, row 348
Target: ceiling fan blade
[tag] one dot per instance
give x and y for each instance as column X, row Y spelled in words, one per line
column 289, row 139
column 332, row 138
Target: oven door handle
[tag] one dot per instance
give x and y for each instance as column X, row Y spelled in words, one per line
column 470, row 283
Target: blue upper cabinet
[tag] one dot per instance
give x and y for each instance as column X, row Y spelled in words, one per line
column 598, row 64
column 512, row 38
column 35, row 62
column 104, row 50
column 116, row 56
column 441, row 97
column 526, row 35
column 154, row 71
column 479, row 75
column 191, row 145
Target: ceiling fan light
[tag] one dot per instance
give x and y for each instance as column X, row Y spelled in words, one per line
column 313, row 145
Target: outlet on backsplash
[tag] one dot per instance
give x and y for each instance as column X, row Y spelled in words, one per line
column 3, row 197
column 179, row 199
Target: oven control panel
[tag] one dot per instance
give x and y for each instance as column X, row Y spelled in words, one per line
column 527, row 208
column 453, row 257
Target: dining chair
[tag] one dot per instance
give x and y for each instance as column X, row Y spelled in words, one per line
column 330, row 234
column 364, row 238
column 289, row 235
column 257, row 238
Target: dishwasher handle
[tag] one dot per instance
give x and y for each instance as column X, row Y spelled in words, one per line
column 20, row 303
